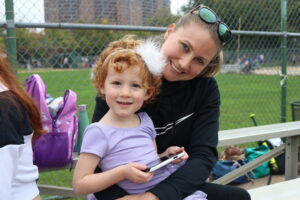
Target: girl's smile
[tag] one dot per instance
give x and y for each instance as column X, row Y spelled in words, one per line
column 124, row 91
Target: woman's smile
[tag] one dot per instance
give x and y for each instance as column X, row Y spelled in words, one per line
column 175, row 68
column 188, row 53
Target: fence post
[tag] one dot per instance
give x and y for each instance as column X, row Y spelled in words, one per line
column 283, row 48
column 83, row 121
column 11, row 34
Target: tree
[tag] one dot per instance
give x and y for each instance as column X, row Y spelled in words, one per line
column 293, row 16
column 29, row 44
column 255, row 15
column 162, row 18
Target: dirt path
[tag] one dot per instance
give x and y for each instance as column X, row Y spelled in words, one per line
column 291, row 71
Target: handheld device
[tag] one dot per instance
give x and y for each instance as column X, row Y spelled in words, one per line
column 164, row 162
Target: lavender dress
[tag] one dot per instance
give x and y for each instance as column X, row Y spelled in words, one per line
column 119, row 146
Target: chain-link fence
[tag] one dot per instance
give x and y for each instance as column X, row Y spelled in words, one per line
column 61, row 39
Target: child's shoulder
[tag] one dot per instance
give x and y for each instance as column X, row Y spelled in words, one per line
column 145, row 119
column 143, row 116
column 101, row 128
column 95, row 130
column 95, row 126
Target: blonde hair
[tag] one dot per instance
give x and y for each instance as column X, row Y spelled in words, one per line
column 216, row 63
column 122, row 60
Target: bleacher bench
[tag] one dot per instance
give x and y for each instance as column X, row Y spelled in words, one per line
column 287, row 190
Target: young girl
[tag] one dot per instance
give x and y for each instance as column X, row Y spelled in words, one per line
column 20, row 126
column 122, row 142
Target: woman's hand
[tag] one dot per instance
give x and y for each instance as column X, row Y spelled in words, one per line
column 145, row 196
column 133, row 172
column 174, row 150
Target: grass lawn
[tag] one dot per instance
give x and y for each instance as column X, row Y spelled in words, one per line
column 241, row 95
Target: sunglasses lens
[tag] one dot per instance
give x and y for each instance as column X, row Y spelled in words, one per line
column 208, row 15
column 224, row 32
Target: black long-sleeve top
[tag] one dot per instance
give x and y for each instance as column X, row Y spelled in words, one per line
column 185, row 113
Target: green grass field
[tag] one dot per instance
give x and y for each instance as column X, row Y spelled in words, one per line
column 241, row 95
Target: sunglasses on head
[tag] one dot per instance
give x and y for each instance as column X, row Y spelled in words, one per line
column 209, row 16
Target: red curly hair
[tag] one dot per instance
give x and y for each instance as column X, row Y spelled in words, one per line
column 123, row 60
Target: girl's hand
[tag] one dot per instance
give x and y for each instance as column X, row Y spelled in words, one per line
column 133, row 172
column 174, row 150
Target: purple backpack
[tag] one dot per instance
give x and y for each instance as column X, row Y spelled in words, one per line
column 55, row 147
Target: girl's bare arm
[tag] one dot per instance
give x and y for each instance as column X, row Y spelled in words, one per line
column 86, row 182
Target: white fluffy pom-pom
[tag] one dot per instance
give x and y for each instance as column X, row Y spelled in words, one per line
column 152, row 55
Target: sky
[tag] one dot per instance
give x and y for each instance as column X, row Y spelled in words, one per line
column 176, row 5
column 33, row 11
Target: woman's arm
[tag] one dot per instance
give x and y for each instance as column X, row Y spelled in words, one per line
column 201, row 146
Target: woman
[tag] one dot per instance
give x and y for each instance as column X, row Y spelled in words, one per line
column 20, row 126
column 186, row 112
